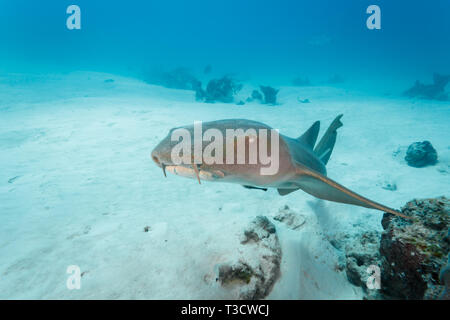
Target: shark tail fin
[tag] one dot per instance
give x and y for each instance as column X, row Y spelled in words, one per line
column 324, row 188
column 326, row 144
column 309, row 138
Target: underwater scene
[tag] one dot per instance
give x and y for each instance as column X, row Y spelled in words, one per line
column 225, row 149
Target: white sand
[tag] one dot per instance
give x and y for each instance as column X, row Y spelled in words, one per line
column 86, row 187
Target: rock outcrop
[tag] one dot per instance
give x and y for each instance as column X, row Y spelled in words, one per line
column 412, row 255
column 414, row 252
column 253, row 276
column 421, row 154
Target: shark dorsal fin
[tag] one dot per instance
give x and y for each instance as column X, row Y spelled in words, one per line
column 326, row 144
column 310, row 136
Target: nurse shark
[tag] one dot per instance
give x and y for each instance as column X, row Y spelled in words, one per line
column 301, row 163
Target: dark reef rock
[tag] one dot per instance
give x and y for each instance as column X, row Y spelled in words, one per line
column 270, row 94
column 444, row 277
column 303, row 100
column 256, row 95
column 218, row 90
column 435, row 91
column 421, row 154
column 389, row 185
column 360, row 256
column 253, row 275
column 414, row 252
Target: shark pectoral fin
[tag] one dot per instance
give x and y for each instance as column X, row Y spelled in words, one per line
column 322, row 187
column 283, row 192
column 252, row 187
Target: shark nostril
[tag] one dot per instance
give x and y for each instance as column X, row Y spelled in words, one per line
column 155, row 158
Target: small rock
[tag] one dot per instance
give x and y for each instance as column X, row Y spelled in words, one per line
column 421, row 154
column 303, row 101
column 240, row 272
column 391, row 186
column 444, row 278
column 147, row 229
column 13, row 179
column 253, row 275
column 360, row 255
column 293, row 220
column 259, row 229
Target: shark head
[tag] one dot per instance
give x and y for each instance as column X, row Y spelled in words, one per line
column 213, row 152
column 161, row 154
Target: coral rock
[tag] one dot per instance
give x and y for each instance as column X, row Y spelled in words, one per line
column 253, row 275
column 420, row 154
column 413, row 252
column 270, row 94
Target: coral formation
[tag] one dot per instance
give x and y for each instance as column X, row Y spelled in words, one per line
column 410, row 254
column 413, row 252
column 221, row 90
column 254, row 277
column 270, row 94
column 256, row 95
column 421, row 154
column 435, row 91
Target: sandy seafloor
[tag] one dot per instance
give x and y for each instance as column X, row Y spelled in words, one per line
column 77, row 187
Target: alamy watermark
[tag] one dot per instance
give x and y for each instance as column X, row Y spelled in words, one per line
column 374, row 20
column 74, row 280
column 238, row 140
column 73, row 22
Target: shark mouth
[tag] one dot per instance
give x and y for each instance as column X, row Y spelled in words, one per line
column 193, row 172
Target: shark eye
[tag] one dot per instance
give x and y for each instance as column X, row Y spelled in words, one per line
column 155, row 158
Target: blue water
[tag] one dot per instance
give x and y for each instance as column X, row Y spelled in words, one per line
column 77, row 183
column 271, row 41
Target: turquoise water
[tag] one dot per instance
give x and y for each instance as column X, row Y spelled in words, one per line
column 261, row 40
column 82, row 109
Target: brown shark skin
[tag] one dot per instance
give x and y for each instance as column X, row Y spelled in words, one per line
column 299, row 166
